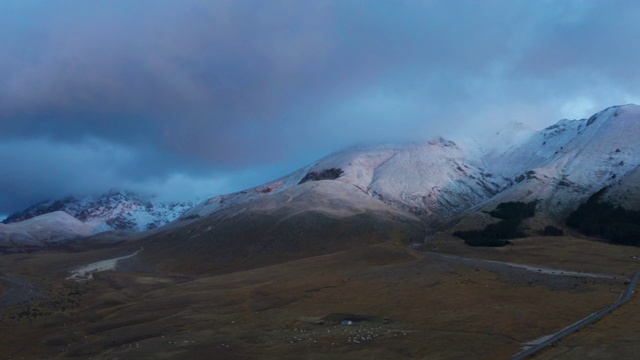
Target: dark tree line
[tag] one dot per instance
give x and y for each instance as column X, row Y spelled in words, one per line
column 514, row 210
column 498, row 234
column 550, row 230
column 605, row 220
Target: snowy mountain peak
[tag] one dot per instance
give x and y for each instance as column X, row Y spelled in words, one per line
column 115, row 210
column 422, row 178
column 567, row 162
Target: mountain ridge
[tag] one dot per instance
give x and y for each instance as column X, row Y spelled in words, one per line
column 115, row 210
column 437, row 180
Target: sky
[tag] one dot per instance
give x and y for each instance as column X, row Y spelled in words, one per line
column 189, row 98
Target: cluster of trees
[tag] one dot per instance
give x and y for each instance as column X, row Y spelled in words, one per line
column 498, row 234
column 606, row 220
column 515, row 210
column 552, row 231
column 595, row 217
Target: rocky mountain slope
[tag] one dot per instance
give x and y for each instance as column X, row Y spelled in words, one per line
column 112, row 211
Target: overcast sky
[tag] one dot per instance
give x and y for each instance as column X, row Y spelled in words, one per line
column 193, row 98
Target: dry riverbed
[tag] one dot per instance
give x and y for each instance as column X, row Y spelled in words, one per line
column 86, row 272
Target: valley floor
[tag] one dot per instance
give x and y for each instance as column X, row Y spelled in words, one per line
column 384, row 301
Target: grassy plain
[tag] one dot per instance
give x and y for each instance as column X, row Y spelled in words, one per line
column 403, row 303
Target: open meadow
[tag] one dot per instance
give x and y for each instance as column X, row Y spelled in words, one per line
column 385, row 300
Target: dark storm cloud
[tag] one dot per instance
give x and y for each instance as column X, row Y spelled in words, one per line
column 228, row 93
column 601, row 43
column 38, row 168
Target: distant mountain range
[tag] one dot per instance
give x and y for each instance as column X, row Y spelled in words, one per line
column 116, row 210
column 392, row 190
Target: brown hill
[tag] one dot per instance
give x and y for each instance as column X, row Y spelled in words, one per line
column 311, row 219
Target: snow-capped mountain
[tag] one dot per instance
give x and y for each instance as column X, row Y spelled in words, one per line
column 112, row 211
column 437, row 180
column 434, row 180
column 42, row 230
column 429, row 183
column 565, row 163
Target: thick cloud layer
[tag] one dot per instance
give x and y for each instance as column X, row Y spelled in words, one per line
column 193, row 97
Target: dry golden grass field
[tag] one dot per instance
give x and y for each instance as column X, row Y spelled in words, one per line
column 403, row 303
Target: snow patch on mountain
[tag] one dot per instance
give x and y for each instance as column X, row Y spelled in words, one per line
column 434, row 180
